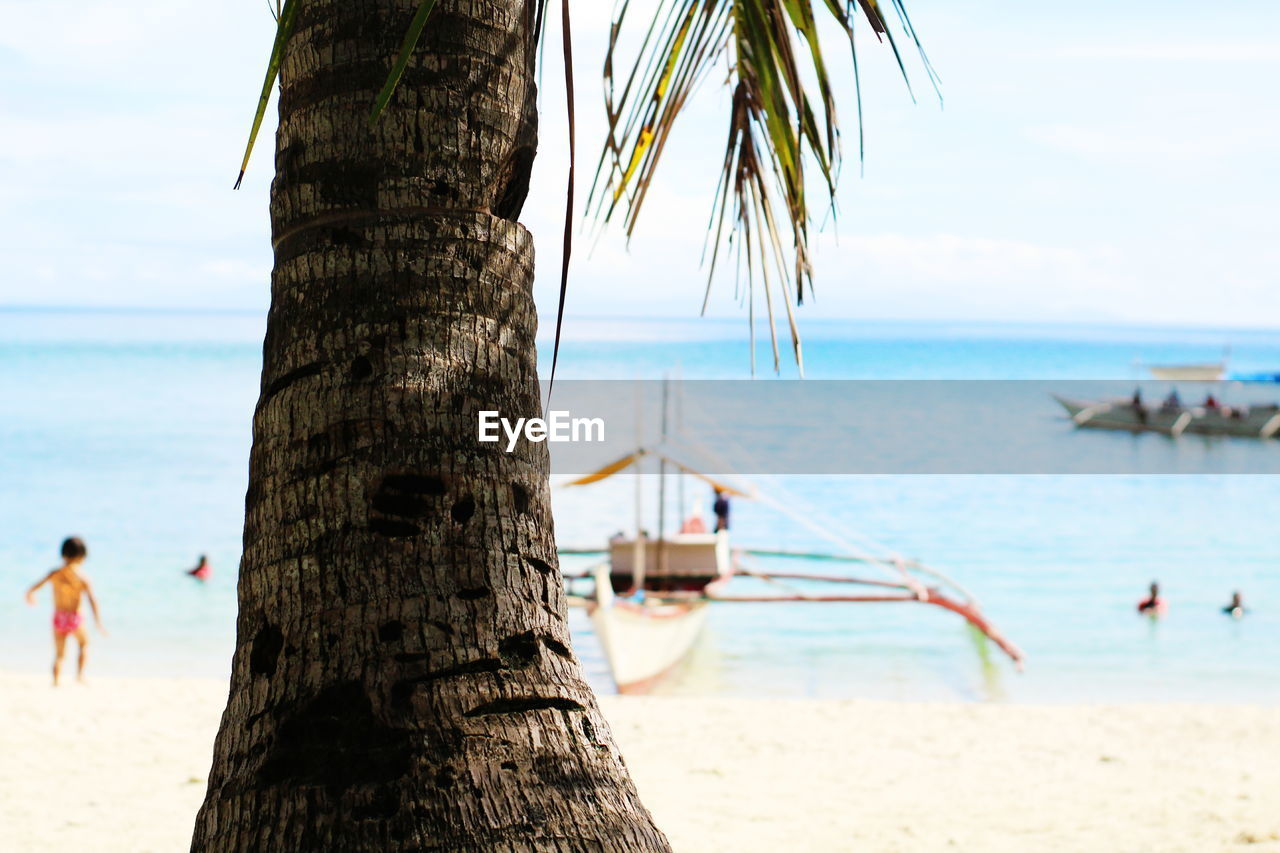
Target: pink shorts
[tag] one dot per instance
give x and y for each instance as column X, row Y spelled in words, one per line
column 66, row 622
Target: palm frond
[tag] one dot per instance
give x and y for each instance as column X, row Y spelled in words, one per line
column 284, row 25
column 284, row 14
column 783, row 132
column 407, row 46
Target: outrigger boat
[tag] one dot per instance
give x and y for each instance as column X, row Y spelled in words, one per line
column 649, row 595
column 1246, row 422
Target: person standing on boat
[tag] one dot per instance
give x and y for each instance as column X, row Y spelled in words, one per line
column 1153, row 605
column 721, row 508
column 1138, row 408
column 1236, row 608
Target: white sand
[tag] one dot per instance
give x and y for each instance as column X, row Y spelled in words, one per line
column 120, row 766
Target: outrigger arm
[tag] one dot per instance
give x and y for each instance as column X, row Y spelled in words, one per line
column 968, row 609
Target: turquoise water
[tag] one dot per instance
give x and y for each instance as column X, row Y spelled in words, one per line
column 132, row 431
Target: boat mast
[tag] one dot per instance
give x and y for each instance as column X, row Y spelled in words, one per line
column 678, row 417
column 638, row 558
column 662, row 484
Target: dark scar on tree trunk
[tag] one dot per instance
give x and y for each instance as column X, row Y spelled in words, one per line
column 361, row 368
column 402, row 690
column 520, row 498
column 463, row 509
column 415, row 484
column 522, row 704
column 556, row 647
column 393, row 529
column 335, row 741
column 520, row 650
column 295, row 375
column 265, row 651
column 513, row 186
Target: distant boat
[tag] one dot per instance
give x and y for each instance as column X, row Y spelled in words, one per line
column 1196, row 371
column 1246, row 422
column 1208, row 372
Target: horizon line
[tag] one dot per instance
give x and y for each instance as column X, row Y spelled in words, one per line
column 1102, row 322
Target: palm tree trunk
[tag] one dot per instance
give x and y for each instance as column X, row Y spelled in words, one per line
column 402, row 677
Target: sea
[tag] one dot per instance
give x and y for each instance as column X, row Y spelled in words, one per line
column 131, row 429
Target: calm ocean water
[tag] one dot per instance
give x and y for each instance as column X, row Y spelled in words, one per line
column 132, row 430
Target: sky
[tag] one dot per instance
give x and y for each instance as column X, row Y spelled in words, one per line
column 1093, row 162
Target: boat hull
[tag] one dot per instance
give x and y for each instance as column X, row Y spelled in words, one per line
column 1189, row 372
column 644, row 641
column 1257, row 422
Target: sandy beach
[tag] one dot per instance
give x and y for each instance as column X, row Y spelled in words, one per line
column 120, row 766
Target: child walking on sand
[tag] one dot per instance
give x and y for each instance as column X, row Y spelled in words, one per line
column 68, row 586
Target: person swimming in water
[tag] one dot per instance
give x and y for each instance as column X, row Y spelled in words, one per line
column 1236, row 609
column 203, row 571
column 1153, row 605
column 68, row 588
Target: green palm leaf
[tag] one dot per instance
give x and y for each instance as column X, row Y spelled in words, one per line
column 284, row 26
column 407, row 46
column 285, row 16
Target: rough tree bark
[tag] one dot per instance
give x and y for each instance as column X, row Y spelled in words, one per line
column 402, row 677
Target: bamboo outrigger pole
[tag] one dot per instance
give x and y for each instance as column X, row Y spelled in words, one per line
column 968, row 610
